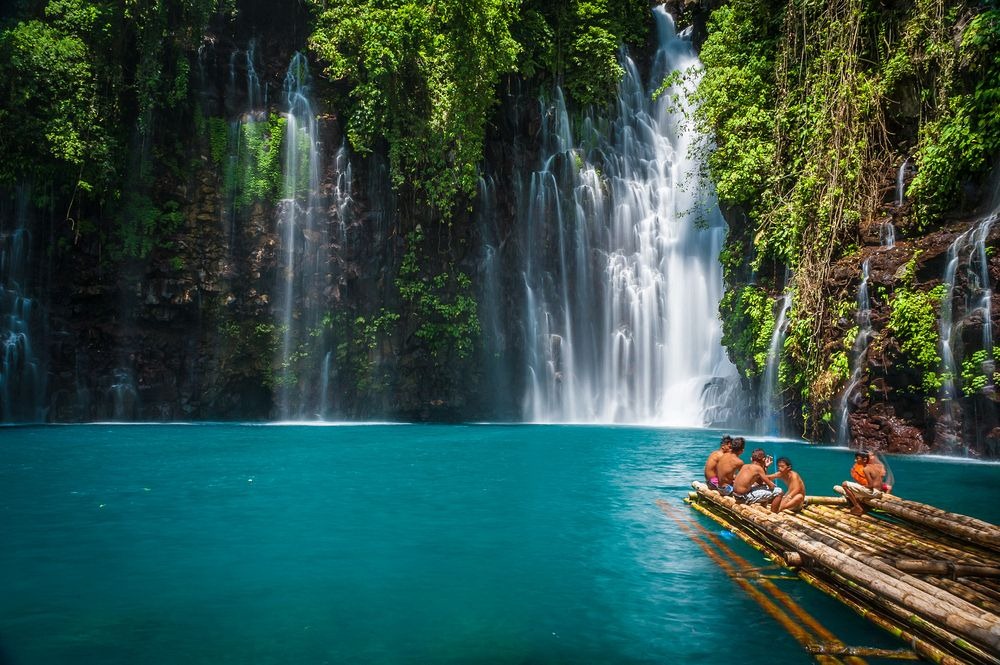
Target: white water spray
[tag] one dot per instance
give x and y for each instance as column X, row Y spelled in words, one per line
column 621, row 275
column 769, row 420
column 858, row 359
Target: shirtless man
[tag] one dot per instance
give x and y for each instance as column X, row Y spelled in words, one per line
column 729, row 464
column 711, row 466
column 796, row 493
column 875, row 473
column 874, row 479
column 751, row 484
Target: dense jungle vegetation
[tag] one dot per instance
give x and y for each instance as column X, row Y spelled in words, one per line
column 813, row 106
column 810, row 107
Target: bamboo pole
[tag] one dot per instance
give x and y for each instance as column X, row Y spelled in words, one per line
column 804, row 617
column 825, row 501
column 871, row 652
column 963, row 590
column 873, row 605
column 758, row 545
column 984, row 589
column 905, row 537
column 794, row 629
column 966, row 520
column 886, row 568
column 872, row 543
column 953, row 524
column 919, row 596
column 874, row 600
column 919, row 643
column 941, row 568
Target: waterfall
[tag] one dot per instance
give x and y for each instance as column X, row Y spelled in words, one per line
column 901, row 181
column 123, row 395
column 246, row 104
column 22, row 372
column 303, row 254
column 887, row 235
column 769, row 422
column 342, row 199
column 621, row 275
column 492, row 312
column 968, row 248
column 859, row 352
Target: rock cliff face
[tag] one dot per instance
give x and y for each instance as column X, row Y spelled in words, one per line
column 886, row 408
column 193, row 331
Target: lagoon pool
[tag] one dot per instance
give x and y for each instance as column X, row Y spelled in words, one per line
column 401, row 544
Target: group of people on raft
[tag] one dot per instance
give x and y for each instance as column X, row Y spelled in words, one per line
column 750, row 483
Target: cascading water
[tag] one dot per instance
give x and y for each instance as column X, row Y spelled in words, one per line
column 621, row 274
column 969, row 249
column 303, row 255
column 769, row 419
column 246, row 101
column 859, row 352
column 496, row 333
column 22, row 373
column 904, row 169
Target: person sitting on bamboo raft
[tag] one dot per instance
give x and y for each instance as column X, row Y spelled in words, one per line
column 795, row 495
column 872, row 480
column 752, row 485
column 875, row 473
column 858, row 470
column 729, row 464
column 712, row 464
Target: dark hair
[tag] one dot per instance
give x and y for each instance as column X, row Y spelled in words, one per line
column 863, row 454
column 787, row 461
column 726, row 438
column 758, row 454
column 737, row 445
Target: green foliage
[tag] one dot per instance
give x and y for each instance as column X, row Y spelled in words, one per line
column 798, row 99
column 142, row 225
column 218, row 139
column 421, row 75
column 747, row 324
column 576, row 42
column 258, row 160
column 442, row 304
column 840, row 366
column 84, row 83
column 251, row 345
column 357, row 349
column 964, row 137
column 50, row 111
column 978, row 371
column 736, row 98
column 913, row 321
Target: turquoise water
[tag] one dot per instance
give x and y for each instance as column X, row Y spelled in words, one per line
column 390, row 544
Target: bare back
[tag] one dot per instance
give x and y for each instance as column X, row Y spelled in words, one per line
column 875, row 475
column 712, row 465
column 729, row 464
column 748, row 476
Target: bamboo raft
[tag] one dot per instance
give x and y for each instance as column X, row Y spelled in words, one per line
column 929, row 577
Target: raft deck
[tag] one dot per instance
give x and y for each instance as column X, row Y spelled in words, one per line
column 930, row 577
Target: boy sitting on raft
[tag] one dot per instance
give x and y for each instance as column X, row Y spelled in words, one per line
column 712, row 464
column 751, row 484
column 796, row 494
column 729, row 464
